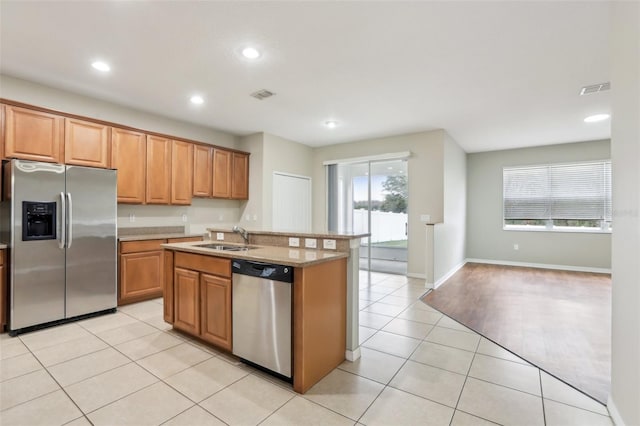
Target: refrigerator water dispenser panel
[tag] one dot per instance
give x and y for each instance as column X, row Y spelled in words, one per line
column 39, row 221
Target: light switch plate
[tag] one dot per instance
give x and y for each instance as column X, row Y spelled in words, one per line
column 220, row 236
column 310, row 243
column 426, row 218
column 329, row 244
column 294, row 242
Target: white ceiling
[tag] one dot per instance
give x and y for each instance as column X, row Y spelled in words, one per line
column 495, row 75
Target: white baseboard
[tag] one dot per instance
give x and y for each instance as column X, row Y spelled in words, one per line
column 415, row 275
column 449, row 274
column 613, row 412
column 352, row 355
column 541, row 265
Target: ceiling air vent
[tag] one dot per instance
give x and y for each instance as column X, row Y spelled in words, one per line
column 262, row 94
column 595, row 88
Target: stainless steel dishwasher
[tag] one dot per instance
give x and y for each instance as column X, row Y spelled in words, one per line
column 261, row 300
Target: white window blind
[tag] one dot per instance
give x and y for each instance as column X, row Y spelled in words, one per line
column 558, row 191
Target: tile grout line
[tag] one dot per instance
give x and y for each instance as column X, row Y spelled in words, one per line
column 56, row 382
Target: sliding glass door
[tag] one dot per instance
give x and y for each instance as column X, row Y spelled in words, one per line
column 371, row 197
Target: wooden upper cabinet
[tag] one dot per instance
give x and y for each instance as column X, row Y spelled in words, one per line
column 221, row 173
column 33, row 135
column 181, row 172
column 86, row 143
column 2, row 131
column 128, row 155
column 202, row 170
column 240, row 176
column 158, row 170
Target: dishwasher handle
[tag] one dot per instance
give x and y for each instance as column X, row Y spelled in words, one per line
column 268, row 271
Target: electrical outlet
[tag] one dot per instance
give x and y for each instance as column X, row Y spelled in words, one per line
column 132, row 217
column 247, row 217
column 184, row 217
column 294, row 242
column 310, row 243
column 220, row 236
column 255, row 217
column 329, row 244
column 426, row 218
column 516, row 247
column 220, row 217
column 294, row 254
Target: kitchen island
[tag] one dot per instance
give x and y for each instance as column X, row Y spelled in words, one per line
column 198, row 296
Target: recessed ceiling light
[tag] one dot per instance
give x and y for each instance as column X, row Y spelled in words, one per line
column 331, row 124
column 597, row 117
column 197, row 99
column 101, row 66
column 250, row 53
column 389, row 168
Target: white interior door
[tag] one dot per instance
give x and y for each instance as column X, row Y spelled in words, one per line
column 291, row 203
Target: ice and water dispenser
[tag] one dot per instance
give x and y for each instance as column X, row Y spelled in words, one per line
column 39, row 221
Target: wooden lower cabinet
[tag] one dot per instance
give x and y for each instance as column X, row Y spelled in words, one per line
column 140, row 276
column 143, row 271
column 215, row 310
column 186, row 294
column 140, row 271
column 201, row 293
column 3, row 292
column 167, row 292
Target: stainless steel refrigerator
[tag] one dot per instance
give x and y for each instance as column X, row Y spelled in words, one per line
column 60, row 225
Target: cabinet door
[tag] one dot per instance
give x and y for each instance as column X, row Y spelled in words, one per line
column 186, row 307
column 240, row 176
column 158, row 170
column 221, row 173
column 167, row 294
column 215, row 310
column 2, row 127
column 33, row 135
column 202, row 174
column 3, row 292
column 86, row 143
column 128, row 155
column 140, row 276
column 181, row 172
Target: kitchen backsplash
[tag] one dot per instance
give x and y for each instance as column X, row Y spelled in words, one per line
column 193, row 219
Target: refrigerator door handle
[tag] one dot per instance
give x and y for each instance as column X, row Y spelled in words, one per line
column 63, row 221
column 70, row 221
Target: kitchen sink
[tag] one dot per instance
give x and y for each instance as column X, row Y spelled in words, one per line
column 225, row 247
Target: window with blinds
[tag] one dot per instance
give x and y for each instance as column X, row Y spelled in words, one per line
column 558, row 196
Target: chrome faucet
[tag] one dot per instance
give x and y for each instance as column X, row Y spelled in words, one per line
column 243, row 232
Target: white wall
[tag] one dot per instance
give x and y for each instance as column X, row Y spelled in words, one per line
column 255, row 205
column 270, row 153
column 201, row 214
column 425, row 171
column 47, row 97
column 487, row 240
column 624, row 402
column 449, row 237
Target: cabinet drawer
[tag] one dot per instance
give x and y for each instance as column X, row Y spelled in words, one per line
column 2, row 256
column 209, row 264
column 137, row 246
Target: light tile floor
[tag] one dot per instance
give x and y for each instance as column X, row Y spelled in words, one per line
column 417, row 367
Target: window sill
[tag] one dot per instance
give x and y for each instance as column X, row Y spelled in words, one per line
column 563, row 229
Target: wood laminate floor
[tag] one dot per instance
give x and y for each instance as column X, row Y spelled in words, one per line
column 559, row 321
